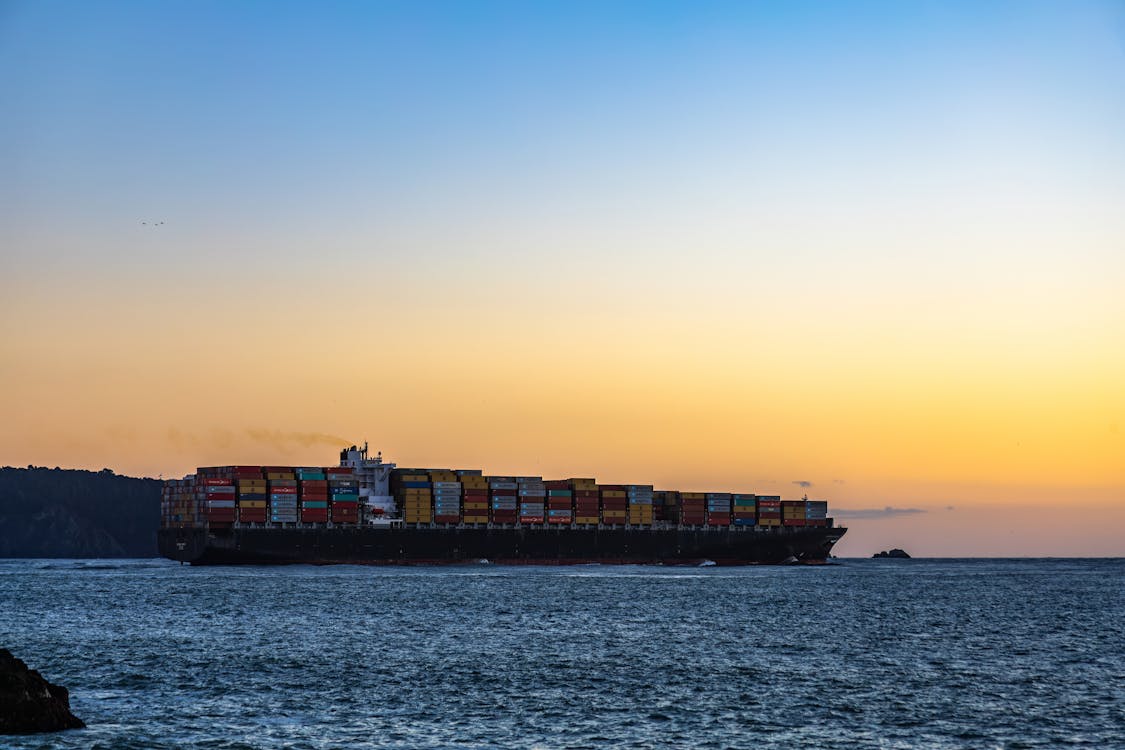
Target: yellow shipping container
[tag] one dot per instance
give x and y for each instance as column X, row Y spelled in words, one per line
column 416, row 492
column 587, row 520
column 693, row 496
column 252, row 504
column 415, row 478
column 281, row 475
column 477, row 519
column 613, row 493
column 475, row 506
column 613, row 514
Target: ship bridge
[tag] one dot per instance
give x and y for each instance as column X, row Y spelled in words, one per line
column 374, row 477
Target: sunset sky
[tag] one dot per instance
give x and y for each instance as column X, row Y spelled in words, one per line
column 870, row 251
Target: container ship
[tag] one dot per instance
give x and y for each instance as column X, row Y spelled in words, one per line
column 368, row 511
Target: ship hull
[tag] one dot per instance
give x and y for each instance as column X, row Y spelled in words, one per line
column 520, row 545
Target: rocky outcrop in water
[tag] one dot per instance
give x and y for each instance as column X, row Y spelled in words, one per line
column 895, row 553
column 28, row 703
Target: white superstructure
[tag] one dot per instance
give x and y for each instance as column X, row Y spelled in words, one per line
column 374, row 477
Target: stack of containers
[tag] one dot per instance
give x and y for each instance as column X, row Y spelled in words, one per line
column 474, row 496
column 693, row 508
column 343, row 495
column 769, row 510
column 312, row 494
column 816, row 513
column 283, row 494
column 252, row 494
column 560, row 502
column 666, row 506
column 533, row 496
column 744, row 510
column 411, row 489
column 178, row 503
column 585, row 492
column 640, row 504
column 447, row 496
column 217, row 495
column 614, row 504
column 718, row 509
column 792, row 512
column 503, row 493
column 166, row 503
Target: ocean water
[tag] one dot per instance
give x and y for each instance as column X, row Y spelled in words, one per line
column 866, row 654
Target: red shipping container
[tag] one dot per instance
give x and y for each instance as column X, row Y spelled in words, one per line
column 214, row 482
column 283, row 490
column 475, row 491
column 793, row 522
column 447, row 519
column 339, row 470
column 559, row 503
column 612, row 487
column 504, row 493
column 585, row 493
column 314, row 483
column 556, row 484
column 816, row 522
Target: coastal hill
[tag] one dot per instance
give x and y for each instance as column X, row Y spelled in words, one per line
column 73, row 513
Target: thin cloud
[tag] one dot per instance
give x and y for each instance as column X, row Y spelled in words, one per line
column 886, row 512
column 803, row 483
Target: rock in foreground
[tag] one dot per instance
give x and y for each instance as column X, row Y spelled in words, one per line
column 28, row 703
column 895, row 553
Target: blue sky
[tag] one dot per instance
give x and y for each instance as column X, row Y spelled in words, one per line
column 876, row 242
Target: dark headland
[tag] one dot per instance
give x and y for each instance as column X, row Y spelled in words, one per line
column 73, row 513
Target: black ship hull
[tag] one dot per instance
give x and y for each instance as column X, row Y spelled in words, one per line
column 519, row 545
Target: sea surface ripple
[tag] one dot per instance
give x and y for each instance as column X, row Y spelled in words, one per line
column 865, row 654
